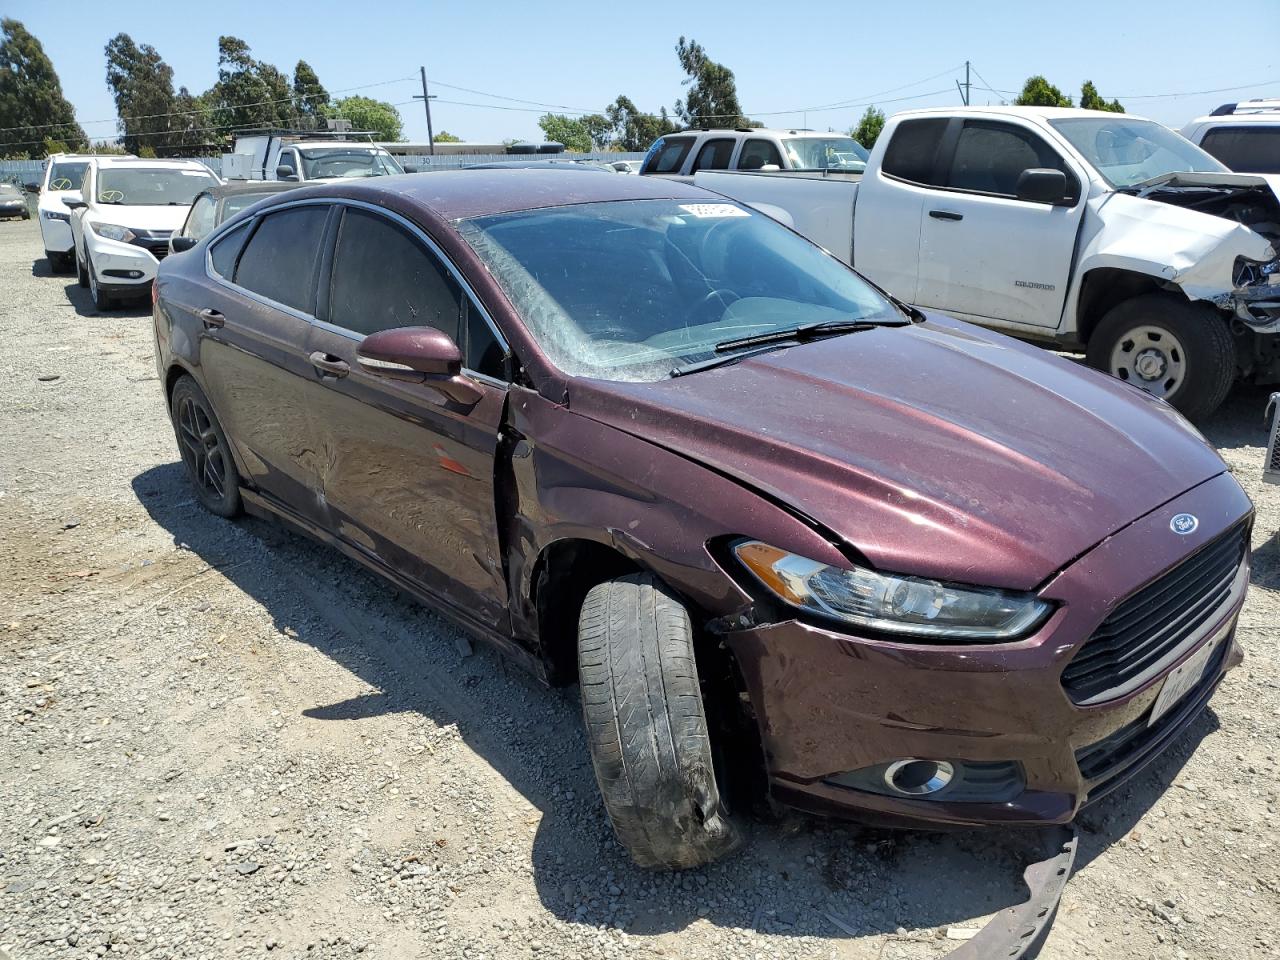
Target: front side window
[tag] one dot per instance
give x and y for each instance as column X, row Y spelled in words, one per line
column 759, row 153
column 990, row 157
column 714, row 155
column 280, row 260
column 628, row 290
column 667, row 155
column 383, row 278
column 1245, row 149
column 140, row 187
column 825, row 153
column 67, row 175
column 202, row 218
column 1128, row 152
column 318, row 163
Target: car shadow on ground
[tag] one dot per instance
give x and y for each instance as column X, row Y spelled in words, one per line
column 800, row 877
column 82, row 302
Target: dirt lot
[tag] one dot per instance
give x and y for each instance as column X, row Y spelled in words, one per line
column 221, row 739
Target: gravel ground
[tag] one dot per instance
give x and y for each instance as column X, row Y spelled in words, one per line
column 222, row 739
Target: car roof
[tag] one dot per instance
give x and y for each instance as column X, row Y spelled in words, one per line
column 547, row 164
column 1045, row 113
column 1238, row 119
column 149, row 164
column 462, row 194
column 757, row 131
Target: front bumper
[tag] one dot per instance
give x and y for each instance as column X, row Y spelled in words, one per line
column 13, row 208
column 56, row 235
column 828, row 703
column 120, row 267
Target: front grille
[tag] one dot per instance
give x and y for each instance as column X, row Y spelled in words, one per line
column 1271, row 465
column 1105, row 764
column 155, row 244
column 1153, row 622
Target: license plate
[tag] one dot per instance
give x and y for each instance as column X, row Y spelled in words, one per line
column 1186, row 677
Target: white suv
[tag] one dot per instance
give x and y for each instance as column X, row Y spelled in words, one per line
column 1244, row 136
column 62, row 175
column 122, row 219
column 685, row 153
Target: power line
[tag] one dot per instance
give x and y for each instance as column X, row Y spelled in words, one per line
column 498, row 96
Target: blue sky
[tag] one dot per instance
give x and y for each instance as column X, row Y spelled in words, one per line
column 583, row 54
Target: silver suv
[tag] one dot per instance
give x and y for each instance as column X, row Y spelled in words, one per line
column 684, row 154
column 1245, row 136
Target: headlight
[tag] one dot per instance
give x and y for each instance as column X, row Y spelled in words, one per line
column 113, row 232
column 890, row 603
column 55, row 215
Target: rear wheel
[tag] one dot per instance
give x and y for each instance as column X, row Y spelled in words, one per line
column 647, row 728
column 1174, row 349
column 204, row 448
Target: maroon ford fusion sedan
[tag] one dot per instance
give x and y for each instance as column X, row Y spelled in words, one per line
column 789, row 535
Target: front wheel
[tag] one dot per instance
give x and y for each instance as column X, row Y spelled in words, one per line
column 204, row 448
column 646, row 726
column 1174, row 349
column 82, row 274
column 101, row 299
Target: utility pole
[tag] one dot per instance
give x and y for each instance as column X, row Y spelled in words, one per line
column 963, row 88
column 426, row 99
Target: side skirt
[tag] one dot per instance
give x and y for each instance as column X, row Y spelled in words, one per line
column 260, row 506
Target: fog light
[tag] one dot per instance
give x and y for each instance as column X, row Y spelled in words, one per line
column 952, row 781
column 918, row 778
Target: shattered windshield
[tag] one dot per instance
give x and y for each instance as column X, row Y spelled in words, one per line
column 828, row 153
column 1128, row 152
column 627, row 290
column 347, row 162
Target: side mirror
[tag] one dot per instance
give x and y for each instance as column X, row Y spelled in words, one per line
column 410, row 168
column 768, row 168
column 181, row 244
column 31, row 187
column 285, row 172
column 73, row 201
column 1041, row 185
column 419, row 355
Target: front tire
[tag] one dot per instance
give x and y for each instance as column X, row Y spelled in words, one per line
column 101, row 299
column 1174, row 349
column 204, row 448
column 646, row 726
column 82, row 274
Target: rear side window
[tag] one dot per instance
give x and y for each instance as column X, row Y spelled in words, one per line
column 667, row 155
column 385, row 278
column 990, row 157
column 280, row 260
column 758, row 153
column 714, row 155
column 1245, row 149
column 914, row 148
column 224, row 252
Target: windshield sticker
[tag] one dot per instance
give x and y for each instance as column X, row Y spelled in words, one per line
column 713, row 211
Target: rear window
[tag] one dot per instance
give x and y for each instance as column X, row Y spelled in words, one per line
column 914, row 148
column 1245, row 149
column 667, row 155
column 279, row 262
column 224, row 251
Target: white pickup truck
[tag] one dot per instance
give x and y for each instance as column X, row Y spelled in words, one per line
column 1086, row 230
column 304, row 157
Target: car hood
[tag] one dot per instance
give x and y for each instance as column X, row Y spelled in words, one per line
column 140, row 217
column 940, row 449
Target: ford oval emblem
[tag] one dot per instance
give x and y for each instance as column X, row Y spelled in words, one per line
column 1183, row 524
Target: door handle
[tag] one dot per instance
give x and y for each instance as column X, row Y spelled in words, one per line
column 945, row 215
column 330, row 366
column 211, row 318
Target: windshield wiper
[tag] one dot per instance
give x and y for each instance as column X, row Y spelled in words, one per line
column 805, row 332
column 720, row 361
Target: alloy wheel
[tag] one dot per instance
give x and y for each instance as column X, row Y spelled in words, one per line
column 1152, row 358
column 203, row 452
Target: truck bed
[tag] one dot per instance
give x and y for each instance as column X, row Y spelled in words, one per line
column 817, row 205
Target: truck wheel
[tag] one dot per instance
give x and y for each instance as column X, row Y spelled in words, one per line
column 646, row 727
column 1177, row 350
column 204, row 448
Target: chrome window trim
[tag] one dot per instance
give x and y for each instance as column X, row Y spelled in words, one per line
column 349, row 334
